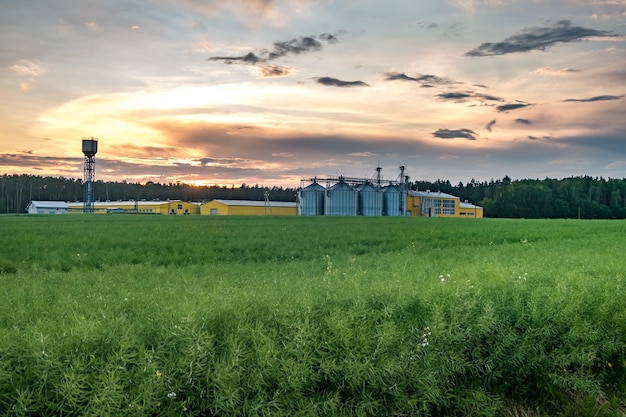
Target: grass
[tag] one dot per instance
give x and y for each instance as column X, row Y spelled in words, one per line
column 161, row 315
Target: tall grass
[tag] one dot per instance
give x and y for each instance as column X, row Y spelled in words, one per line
column 132, row 315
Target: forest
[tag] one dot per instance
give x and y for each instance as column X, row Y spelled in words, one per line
column 582, row 197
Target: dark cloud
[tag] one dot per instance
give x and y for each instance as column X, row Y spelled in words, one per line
column 330, row 39
column 334, row 82
column 488, row 97
column 295, row 46
column 427, row 80
column 455, row 96
column 523, row 122
column 537, row 38
column 490, row 125
column 249, row 59
column 596, row 98
column 514, row 106
column 426, row 25
column 462, row 96
column 455, row 133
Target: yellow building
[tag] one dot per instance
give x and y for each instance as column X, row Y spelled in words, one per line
column 436, row 204
column 245, row 208
column 142, row 207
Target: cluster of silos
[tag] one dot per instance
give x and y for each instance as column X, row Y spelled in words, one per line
column 342, row 199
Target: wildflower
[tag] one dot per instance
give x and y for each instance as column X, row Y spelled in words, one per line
column 171, row 395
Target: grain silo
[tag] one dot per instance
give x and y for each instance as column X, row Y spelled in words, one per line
column 341, row 200
column 311, row 200
column 392, row 201
column 370, row 200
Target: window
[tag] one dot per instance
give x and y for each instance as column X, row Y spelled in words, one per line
column 180, row 207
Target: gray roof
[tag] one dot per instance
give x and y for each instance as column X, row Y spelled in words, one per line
column 50, row 204
column 467, row 205
column 431, row 194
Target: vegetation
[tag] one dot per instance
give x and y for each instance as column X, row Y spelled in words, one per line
column 568, row 198
column 311, row 316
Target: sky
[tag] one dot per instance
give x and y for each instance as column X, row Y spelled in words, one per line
column 268, row 92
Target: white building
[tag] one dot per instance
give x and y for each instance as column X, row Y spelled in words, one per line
column 47, row 207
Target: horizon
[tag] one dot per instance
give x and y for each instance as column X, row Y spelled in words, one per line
column 272, row 91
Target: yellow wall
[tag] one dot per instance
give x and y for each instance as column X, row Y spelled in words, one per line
column 221, row 209
column 158, row 207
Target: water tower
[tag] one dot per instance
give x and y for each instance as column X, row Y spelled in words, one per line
column 90, row 148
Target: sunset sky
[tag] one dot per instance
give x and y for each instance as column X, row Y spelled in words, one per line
column 268, row 91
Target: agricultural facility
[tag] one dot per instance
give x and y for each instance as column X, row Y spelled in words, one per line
column 344, row 196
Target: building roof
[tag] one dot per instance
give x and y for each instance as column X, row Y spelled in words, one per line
column 49, row 204
column 431, row 194
column 466, row 205
column 250, row 203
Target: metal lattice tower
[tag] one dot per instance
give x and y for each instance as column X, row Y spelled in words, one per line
column 90, row 148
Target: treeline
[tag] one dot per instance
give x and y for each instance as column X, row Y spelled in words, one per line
column 574, row 197
column 17, row 191
column 585, row 197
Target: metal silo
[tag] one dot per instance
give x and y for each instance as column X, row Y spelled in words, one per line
column 392, row 201
column 341, row 200
column 311, row 200
column 370, row 200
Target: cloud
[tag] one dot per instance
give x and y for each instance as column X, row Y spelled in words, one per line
column 427, row 25
column 275, row 71
column 463, row 96
column 362, row 154
column 456, row 96
column 249, row 58
column 537, row 38
column 455, row 133
column 33, row 68
column 334, row 82
column 513, row 106
column 490, row 125
column 523, row 122
column 283, row 155
column 295, row 46
column 93, row 27
column 552, row 71
column 427, row 80
column 596, row 98
column 26, row 86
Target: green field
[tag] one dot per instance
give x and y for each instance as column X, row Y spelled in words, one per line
column 320, row 316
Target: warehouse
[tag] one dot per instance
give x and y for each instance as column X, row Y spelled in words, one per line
column 171, row 207
column 437, row 204
column 248, row 208
column 104, row 207
column 47, row 207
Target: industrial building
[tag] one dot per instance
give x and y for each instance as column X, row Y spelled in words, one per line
column 436, row 204
column 343, row 196
column 142, row 207
column 220, row 207
column 103, row 207
column 47, row 207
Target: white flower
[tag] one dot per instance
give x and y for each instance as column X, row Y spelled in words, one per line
column 171, row 395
